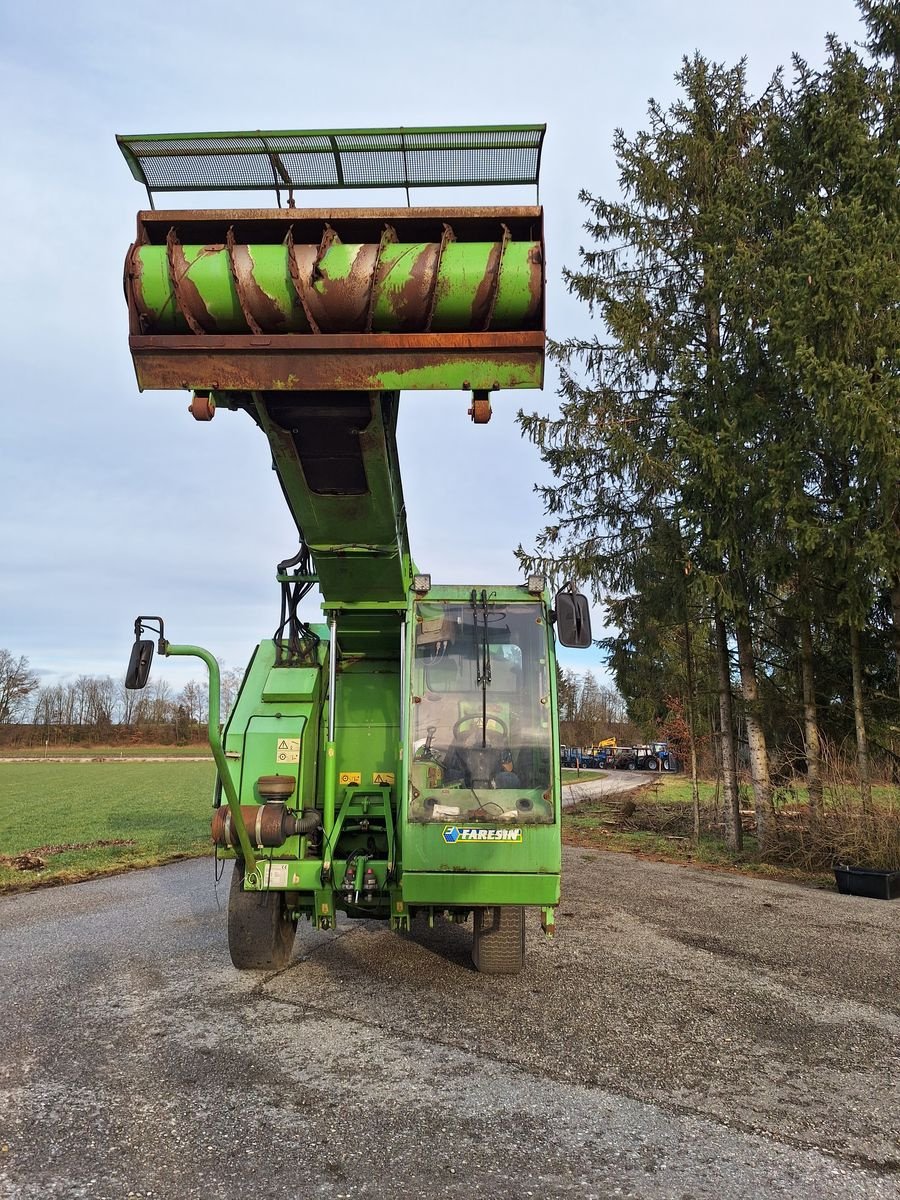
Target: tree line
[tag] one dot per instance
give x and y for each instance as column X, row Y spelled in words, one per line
column 726, row 459
column 100, row 709
column 590, row 711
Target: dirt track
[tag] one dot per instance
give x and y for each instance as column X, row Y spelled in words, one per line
column 613, row 783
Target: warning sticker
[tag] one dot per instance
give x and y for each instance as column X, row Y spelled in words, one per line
column 346, row 778
column 287, row 750
column 275, row 875
column 383, row 779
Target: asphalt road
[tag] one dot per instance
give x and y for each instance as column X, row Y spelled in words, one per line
column 687, row 1034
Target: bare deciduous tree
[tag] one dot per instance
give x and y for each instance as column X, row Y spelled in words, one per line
column 17, row 683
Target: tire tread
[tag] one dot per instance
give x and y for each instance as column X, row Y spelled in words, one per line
column 498, row 940
column 260, row 935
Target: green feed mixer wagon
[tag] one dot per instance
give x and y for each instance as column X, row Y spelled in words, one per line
column 400, row 758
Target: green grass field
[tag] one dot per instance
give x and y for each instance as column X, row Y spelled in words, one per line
column 75, row 751
column 162, row 809
column 661, row 827
column 570, row 775
column 156, row 812
column 676, row 789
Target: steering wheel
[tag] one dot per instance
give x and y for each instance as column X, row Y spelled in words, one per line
column 501, row 725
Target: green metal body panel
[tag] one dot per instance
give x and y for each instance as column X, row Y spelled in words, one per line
column 357, row 536
column 368, row 720
column 276, row 706
column 487, row 848
column 442, row 889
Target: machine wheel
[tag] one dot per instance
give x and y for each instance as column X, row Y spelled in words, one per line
column 498, row 940
column 652, row 764
column 480, row 412
column 632, row 766
column 202, row 406
column 260, row 933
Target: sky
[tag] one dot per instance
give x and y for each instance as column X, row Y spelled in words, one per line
column 114, row 502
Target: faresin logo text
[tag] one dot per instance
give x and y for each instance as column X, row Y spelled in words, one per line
column 463, row 833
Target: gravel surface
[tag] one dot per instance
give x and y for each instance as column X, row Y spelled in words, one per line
column 687, row 1034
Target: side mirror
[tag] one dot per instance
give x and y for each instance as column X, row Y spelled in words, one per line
column 139, row 665
column 573, row 620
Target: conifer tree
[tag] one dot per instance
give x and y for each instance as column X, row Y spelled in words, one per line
column 660, row 416
column 834, row 320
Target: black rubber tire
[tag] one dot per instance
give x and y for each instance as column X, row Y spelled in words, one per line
column 498, row 940
column 652, row 764
column 632, row 766
column 260, row 933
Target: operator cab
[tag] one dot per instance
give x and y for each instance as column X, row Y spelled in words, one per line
column 481, row 712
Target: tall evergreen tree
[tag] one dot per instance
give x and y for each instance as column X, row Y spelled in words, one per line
column 660, row 417
column 834, row 319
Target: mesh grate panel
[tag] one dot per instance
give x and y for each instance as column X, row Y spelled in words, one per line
column 342, row 158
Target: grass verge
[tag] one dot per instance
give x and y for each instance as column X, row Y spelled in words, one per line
column 102, row 753
column 98, row 818
column 656, row 822
column 570, row 775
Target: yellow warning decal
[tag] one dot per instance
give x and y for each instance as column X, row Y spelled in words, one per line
column 347, row 778
column 287, row 750
column 383, row 779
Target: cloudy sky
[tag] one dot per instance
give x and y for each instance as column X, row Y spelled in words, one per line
column 113, row 502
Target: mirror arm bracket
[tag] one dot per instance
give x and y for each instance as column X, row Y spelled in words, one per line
column 215, row 742
column 142, row 625
column 148, row 624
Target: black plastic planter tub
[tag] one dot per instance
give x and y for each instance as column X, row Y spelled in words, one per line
column 861, row 881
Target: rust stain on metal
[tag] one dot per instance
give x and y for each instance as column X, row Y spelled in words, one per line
column 442, row 285
column 202, row 406
column 300, row 264
column 437, row 287
column 137, row 303
column 480, row 411
column 535, row 279
column 329, row 368
column 188, row 299
column 239, row 272
column 329, row 237
column 409, row 304
column 452, row 342
column 388, row 237
column 268, row 825
column 166, row 217
column 486, row 295
column 340, row 304
column 134, row 272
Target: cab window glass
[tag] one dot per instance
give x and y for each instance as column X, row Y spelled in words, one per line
column 481, row 713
